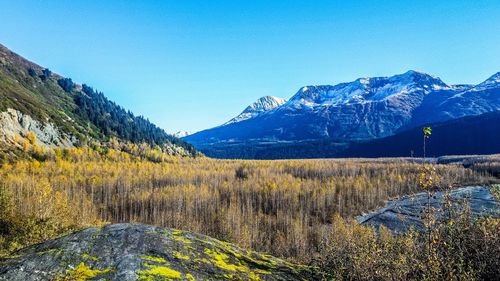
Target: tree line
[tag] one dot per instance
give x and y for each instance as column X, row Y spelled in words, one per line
column 114, row 120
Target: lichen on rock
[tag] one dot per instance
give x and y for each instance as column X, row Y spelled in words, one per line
column 128, row 252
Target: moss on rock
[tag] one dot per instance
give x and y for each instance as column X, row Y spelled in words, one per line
column 129, row 252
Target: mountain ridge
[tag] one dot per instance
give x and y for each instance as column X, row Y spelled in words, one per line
column 361, row 110
column 260, row 106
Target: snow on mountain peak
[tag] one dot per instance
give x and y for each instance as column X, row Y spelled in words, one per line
column 264, row 104
column 412, row 76
column 496, row 77
column 365, row 90
column 181, row 134
column 364, row 81
column 364, row 109
column 493, row 81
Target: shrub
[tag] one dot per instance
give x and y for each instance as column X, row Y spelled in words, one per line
column 38, row 211
column 242, row 172
column 31, row 72
column 463, row 249
column 46, row 73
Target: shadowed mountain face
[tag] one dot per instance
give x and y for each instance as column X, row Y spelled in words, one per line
column 366, row 109
column 467, row 135
column 126, row 252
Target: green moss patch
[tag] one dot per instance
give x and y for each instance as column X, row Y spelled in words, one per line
column 83, row 273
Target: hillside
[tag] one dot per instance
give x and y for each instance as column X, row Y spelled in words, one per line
column 295, row 210
column 362, row 110
column 467, row 135
column 141, row 252
column 62, row 113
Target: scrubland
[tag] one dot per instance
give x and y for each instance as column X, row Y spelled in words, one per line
column 300, row 210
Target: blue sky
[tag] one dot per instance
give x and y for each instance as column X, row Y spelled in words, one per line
column 191, row 65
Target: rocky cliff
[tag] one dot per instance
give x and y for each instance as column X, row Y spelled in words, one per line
column 14, row 123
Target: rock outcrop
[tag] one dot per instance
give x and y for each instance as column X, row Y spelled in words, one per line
column 142, row 252
column 13, row 122
column 402, row 214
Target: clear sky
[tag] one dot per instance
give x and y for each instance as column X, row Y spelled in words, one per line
column 191, row 65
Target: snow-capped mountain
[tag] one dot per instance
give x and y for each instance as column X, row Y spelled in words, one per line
column 475, row 100
column 365, row 90
column 181, row 134
column 490, row 83
column 262, row 105
column 365, row 109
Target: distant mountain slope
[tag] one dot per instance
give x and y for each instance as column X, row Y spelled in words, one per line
column 262, row 105
column 365, row 109
column 468, row 135
column 62, row 113
column 181, row 134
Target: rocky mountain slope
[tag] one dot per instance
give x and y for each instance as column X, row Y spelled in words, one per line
column 365, row 109
column 402, row 214
column 257, row 108
column 62, row 113
column 141, row 252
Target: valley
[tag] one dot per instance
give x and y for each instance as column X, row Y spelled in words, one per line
column 91, row 191
column 287, row 208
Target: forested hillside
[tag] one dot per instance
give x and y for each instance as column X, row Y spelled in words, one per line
column 62, row 113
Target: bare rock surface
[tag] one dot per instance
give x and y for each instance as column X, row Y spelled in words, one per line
column 13, row 122
column 402, row 214
column 143, row 252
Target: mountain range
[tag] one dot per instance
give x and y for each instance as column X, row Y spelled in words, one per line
column 368, row 117
column 325, row 120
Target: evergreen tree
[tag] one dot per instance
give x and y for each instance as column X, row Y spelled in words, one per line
column 66, row 84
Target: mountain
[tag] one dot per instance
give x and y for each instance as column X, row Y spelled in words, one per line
column 127, row 252
column 362, row 110
column 262, row 105
column 61, row 113
column 181, row 134
column 470, row 135
column 467, row 135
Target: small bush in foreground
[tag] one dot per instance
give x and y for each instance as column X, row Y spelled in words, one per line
column 462, row 249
